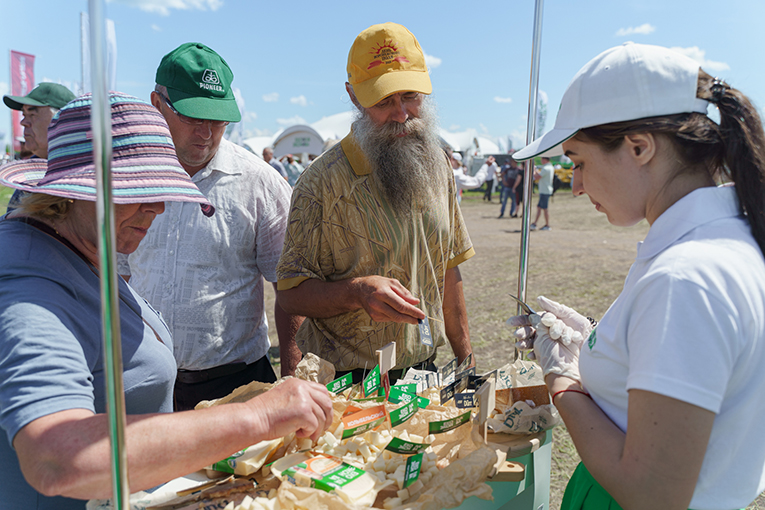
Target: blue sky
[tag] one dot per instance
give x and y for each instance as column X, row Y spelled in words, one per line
column 289, row 57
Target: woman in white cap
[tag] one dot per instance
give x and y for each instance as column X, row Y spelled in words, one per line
column 664, row 397
column 52, row 384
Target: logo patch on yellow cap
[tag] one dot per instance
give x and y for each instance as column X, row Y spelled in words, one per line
column 386, row 53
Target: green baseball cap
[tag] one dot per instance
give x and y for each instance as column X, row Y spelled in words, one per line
column 45, row 94
column 198, row 83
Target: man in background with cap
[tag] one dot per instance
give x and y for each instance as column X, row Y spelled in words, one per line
column 375, row 234
column 37, row 109
column 206, row 274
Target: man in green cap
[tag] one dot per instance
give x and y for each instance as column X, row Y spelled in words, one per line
column 206, row 274
column 37, row 109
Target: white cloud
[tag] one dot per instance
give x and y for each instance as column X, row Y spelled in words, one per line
column 699, row 56
column 163, row 7
column 431, row 61
column 249, row 133
column 454, row 127
column 503, row 99
column 518, row 138
column 249, row 116
column 271, row 98
column 74, row 86
column 297, row 119
column 300, row 100
column 4, row 89
column 644, row 29
column 156, row 28
column 484, row 129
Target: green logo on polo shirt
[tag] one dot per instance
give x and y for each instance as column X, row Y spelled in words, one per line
column 592, row 339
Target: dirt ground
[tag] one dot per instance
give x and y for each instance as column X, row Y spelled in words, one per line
column 582, row 262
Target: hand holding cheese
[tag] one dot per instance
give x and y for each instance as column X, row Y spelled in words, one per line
column 294, row 406
column 556, row 335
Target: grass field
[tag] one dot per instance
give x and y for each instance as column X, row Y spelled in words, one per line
column 5, row 195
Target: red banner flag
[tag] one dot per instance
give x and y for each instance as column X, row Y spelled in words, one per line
column 22, row 83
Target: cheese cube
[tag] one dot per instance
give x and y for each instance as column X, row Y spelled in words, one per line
column 403, row 494
column 330, row 439
column 365, row 452
column 415, row 488
column 392, row 503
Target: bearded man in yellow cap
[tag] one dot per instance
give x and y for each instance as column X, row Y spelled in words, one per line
column 375, row 234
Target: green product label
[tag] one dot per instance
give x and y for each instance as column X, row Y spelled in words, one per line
column 370, row 399
column 439, row 427
column 403, row 413
column 327, row 480
column 363, row 428
column 372, row 382
column 406, row 388
column 228, row 464
column 397, row 445
column 397, row 396
column 341, row 384
column 412, row 473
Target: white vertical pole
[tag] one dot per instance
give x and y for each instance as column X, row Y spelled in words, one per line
column 528, row 183
column 102, row 156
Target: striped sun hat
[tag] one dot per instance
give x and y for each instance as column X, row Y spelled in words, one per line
column 144, row 165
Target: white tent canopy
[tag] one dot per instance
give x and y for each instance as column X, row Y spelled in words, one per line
column 317, row 137
column 298, row 139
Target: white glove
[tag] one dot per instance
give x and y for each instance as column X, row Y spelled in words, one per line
column 556, row 336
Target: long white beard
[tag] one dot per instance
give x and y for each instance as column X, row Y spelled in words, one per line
column 408, row 169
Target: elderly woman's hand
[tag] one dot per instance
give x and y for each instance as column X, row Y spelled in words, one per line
column 294, row 406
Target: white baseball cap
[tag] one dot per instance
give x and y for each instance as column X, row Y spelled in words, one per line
column 457, row 156
column 627, row 82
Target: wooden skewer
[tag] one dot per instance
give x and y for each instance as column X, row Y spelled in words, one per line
column 434, row 319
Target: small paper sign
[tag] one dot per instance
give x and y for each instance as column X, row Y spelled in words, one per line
column 439, row 427
column 469, row 372
column 456, row 387
column 477, row 381
column 406, row 388
column 362, row 421
column 341, row 384
column 425, row 336
column 446, row 371
column 379, row 398
column 486, row 397
column 447, row 393
column 465, row 363
column 403, row 413
column 386, row 357
column 464, row 400
column 397, row 445
column 323, row 472
column 413, row 465
column 397, row 396
column 372, row 381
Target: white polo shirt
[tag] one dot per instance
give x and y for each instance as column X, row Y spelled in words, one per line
column 690, row 325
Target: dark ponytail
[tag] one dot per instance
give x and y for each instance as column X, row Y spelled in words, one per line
column 743, row 149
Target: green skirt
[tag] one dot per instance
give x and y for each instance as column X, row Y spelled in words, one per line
column 583, row 492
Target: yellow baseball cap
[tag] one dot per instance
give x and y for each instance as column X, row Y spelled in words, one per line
column 386, row 59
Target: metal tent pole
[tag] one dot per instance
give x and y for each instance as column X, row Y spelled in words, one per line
column 528, row 183
column 102, row 155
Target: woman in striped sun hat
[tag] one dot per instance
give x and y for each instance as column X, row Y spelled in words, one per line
column 52, row 384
